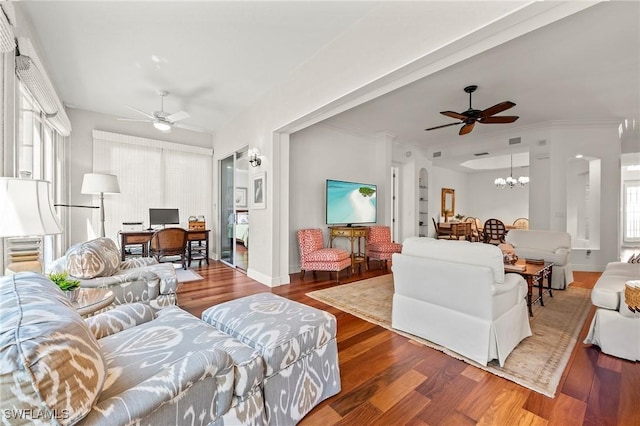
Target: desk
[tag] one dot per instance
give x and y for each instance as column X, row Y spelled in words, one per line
column 197, row 243
column 353, row 233
column 456, row 229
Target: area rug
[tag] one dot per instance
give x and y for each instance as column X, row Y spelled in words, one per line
column 187, row 275
column 536, row 363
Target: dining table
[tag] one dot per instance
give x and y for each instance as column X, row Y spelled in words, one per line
column 456, row 229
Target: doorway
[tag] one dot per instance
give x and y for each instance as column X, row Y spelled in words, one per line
column 234, row 235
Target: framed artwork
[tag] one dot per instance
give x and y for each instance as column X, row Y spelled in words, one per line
column 241, row 197
column 258, row 191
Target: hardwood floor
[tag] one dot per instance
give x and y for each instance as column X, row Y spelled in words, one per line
column 388, row 379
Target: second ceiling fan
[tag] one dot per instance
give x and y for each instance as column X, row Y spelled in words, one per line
column 472, row 116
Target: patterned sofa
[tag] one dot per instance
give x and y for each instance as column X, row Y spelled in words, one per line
column 96, row 263
column 272, row 363
column 129, row 365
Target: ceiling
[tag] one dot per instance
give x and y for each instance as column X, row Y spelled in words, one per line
column 585, row 67
column 217, row 58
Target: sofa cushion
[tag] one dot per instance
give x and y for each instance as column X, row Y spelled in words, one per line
column 50, row 362
column 540, row 240
column 171, row 338
column 457, row 251
column 91, row 259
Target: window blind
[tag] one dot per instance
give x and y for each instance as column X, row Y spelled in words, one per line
column 152, row 174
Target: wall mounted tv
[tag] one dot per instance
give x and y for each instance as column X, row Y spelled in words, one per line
column 164, row 217
column 350, row 203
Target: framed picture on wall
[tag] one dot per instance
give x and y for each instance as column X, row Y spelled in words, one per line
column 241, row 197
column 258, row 191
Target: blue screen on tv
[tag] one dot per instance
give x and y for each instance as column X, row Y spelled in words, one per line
column 350, row 202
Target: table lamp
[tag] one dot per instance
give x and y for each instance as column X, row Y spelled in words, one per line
column 26, row 210
column 98, row 183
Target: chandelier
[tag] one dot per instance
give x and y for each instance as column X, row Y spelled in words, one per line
column 511, row 182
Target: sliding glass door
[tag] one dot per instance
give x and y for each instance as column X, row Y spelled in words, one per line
column 227, row 217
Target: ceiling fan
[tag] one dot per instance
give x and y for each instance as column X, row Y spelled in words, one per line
column 162, row 120
column 471, row 116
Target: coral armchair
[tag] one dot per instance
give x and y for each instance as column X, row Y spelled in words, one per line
column 315, row 257
column 379, row 244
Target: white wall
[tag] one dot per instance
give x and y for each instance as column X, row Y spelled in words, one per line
column 321, row 152
column 595, row 140
column 81, row 158
column 484, row 200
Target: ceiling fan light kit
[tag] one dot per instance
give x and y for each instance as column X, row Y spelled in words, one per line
column 470, row 117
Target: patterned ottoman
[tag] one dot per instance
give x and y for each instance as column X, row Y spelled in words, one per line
column 297, row 343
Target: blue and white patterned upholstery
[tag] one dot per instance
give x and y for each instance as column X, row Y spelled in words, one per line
column 298, row 344
column 145, row 367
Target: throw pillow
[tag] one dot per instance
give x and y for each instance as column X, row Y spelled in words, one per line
column 53, row 370
column 91, row 259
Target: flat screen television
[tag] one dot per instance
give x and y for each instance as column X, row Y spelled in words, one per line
column 164, row 217
column 349, row 203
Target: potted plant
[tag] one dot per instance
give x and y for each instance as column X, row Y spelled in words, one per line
column 70, row 286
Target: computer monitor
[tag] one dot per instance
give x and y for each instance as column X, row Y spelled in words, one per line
column 163, row 217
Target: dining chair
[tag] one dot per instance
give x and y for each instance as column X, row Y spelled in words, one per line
column 494, row 231
column 521, row 223
column 168, row 243
column 475, row 233
column 440, row 233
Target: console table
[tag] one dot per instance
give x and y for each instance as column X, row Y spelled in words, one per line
column 197, row 243
column 354, row 234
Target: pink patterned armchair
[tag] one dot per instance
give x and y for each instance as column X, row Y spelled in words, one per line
column 315, row 257
column 379, row 244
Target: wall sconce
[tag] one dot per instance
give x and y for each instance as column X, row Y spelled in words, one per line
column 254, row 157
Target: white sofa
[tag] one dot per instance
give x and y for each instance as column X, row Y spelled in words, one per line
column 614, row 327
column 552, row 246
column 456, row 294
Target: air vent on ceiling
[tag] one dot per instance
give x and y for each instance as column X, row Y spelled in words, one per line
column 437, row 154
column 515, row 141
column 480, row 154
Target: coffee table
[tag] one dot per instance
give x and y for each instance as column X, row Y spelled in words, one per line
column 91, row 300
column 534, row 274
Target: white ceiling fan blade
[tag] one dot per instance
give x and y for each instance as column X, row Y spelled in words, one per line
column 135, row 119
column 139, row 111
column 188, row 127
column 180, row 115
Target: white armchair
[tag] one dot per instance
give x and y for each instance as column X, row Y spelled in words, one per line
column 456, row 294
column 552, row 246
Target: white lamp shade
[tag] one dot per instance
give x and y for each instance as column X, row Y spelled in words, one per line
column 95, row 183
column 26, row 209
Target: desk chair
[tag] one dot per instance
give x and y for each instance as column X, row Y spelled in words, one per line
column 169, row 242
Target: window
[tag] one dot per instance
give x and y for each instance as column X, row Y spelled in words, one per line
column 151, row 174
column 631, row 212
column 40, row 155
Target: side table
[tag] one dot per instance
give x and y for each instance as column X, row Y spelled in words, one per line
column 91, row 300
column 534, row 274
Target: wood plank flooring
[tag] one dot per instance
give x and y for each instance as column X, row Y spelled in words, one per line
column 388, row 379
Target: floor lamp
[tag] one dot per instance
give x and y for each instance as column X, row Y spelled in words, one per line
column 26, row 210
column 98, row 183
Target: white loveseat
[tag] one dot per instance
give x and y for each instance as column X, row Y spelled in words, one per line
column 614, row 327
column 552, row 246
column 456, row 294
